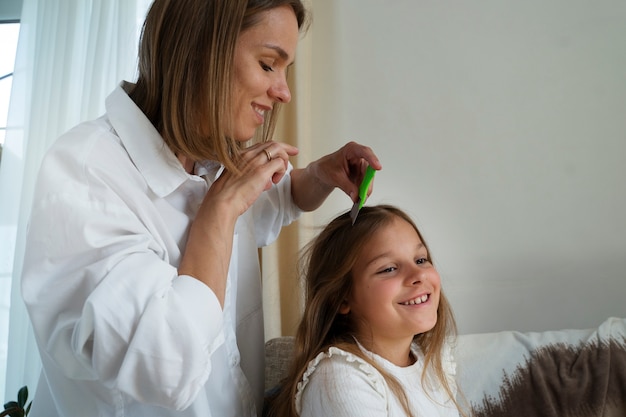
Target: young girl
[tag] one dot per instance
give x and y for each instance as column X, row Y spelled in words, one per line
column 374, row 337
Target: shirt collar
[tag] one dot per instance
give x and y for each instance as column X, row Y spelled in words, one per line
column 159, row 166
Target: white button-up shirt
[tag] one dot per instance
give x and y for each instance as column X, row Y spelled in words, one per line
column 119, row 331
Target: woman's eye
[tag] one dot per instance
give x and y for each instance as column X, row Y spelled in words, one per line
column 265, row 67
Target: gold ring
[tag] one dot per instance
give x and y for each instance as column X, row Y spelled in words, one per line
column 268, row 154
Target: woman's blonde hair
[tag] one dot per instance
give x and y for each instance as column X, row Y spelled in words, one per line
column 326, row 266
column 185, row 68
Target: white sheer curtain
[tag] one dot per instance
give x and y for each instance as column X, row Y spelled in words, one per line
column 70, row 55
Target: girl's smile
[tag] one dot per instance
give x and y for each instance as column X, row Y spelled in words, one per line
column 420, row 299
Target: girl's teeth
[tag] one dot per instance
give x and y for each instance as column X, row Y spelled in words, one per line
column 418, row 300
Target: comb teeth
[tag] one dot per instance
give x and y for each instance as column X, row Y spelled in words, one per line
column 355, row 210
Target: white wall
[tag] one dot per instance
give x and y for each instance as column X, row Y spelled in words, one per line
column 501, row 127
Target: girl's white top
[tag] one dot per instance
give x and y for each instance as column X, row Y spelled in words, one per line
column 340, row 384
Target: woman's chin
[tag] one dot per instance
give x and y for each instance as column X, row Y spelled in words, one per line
column 243, row 138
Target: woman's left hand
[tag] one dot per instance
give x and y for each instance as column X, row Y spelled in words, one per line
column 343, row 169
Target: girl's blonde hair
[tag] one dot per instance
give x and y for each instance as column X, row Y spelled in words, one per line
column 326, row 265
column 185, row 80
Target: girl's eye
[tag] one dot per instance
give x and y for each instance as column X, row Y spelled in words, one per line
column 266, row 67
column 387, row 270
column 421, row 261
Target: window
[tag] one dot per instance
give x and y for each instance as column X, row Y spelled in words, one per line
column 8, row 33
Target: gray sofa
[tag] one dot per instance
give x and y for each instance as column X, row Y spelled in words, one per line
column 564, row 373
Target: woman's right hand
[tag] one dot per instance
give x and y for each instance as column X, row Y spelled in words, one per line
column 261, row 166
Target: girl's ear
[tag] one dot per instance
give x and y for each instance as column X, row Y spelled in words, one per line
column 344, row 308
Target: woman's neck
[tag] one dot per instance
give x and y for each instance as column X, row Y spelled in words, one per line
column 187, row 163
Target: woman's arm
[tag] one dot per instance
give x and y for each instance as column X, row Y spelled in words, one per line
column 209, row 246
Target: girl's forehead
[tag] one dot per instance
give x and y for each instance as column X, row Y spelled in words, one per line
column 393, row 237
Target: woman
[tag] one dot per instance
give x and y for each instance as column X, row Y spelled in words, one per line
column 374, row 337
column 141, row 276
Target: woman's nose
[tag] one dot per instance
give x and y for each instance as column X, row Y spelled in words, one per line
column 279, row 91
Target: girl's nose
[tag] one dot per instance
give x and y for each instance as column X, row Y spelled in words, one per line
column 416, row 276
column 416, row 280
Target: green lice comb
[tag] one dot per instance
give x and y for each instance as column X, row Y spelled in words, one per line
column 365, row 185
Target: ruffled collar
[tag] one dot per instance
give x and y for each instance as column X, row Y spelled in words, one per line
column 449, row 366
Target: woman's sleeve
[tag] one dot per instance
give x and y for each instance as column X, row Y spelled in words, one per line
column 106, row 303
